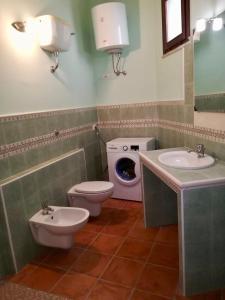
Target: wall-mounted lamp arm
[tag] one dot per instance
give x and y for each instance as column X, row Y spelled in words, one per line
column 19, row 26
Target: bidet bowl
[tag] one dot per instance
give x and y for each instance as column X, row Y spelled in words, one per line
column 59, row 227
column 63, row 220
column 185, row 160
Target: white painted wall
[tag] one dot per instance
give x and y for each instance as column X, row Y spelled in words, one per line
column 140, row 83
column 26, row 83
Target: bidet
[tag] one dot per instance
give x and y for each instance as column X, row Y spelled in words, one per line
column 57, row 229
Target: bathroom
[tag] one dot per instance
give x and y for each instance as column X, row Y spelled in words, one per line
column 48, row 144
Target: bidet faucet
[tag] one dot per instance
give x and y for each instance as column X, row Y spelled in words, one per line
column 199, row 149
column 46, row 210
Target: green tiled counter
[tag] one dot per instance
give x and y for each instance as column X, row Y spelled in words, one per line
column 195, row 199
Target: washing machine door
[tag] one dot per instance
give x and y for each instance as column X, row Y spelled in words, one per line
column 127, row 169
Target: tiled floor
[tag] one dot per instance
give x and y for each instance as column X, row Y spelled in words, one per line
column 114, row 257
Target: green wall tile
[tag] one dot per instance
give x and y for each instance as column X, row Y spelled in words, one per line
column 4, row 168
column 203, row 237
column 23, row 198
column 6, row 265
column 17, row 163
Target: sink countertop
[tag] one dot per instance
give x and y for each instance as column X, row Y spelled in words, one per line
column 181, row 178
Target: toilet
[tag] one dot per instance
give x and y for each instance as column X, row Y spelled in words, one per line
column 90, row 195
column 57, row 228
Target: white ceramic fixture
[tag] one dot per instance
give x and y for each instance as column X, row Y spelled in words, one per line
column 57, row 228
column 185, row 160
column 110, row 26
column 54, row 33
column 90, row 195
column 125, row 167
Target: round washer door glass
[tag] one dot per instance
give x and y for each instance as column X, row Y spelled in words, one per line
column 125, row 169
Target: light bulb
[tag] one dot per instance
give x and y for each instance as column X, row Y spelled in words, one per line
column 217, row 24
column 201, row 25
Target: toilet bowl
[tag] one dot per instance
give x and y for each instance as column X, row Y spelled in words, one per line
column 90, row 195
column 57, row 228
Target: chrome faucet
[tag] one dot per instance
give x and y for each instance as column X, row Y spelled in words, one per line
column 199, row 149
column 46, row 210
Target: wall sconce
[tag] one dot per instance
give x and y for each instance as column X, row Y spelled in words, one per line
column 217, row 24
column 19, row 26
column 201, row 25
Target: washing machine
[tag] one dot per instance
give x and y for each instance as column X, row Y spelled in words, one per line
column 124, row 166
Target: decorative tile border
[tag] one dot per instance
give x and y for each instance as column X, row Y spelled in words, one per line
column 35, row 115
column 36, row 142
column 185, row 128
column 141, row 104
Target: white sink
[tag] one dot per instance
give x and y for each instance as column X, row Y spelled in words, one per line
column 185, row 160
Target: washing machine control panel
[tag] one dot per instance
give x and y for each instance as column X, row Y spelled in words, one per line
column 130, row 148
column 134, row 147
column 130, row 145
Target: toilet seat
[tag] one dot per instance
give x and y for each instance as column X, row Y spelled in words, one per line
column 90, row 195
column 92, row 187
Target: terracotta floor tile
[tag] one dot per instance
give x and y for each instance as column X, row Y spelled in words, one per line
column 40, row 258
column 135, row 249
column 133, row 204
column 123, row 271
column 109, row 291
column 144, row 295
column 120, row 216
column 74, row 285
column 43, row 278
column 106, row 214
column 117, row 229
column 116, row 203
column 107, row 244
column 165, row 255
column 140, row 232
column 63, row 259
column 84, row 238
column 95, row 224
column 158, row 280
column 26, row 271
column 168, row 235
column 215, row 295
column 136, row 212
column 91, row 263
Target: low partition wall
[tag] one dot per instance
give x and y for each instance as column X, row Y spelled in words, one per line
column 21, row 198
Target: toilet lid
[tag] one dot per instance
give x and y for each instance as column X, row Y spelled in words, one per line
column 94, row 187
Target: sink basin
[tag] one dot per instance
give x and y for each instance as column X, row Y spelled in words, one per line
column 185, row 160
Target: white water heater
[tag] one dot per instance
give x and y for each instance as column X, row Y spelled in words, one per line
column 110, row 27
column 54, row 33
